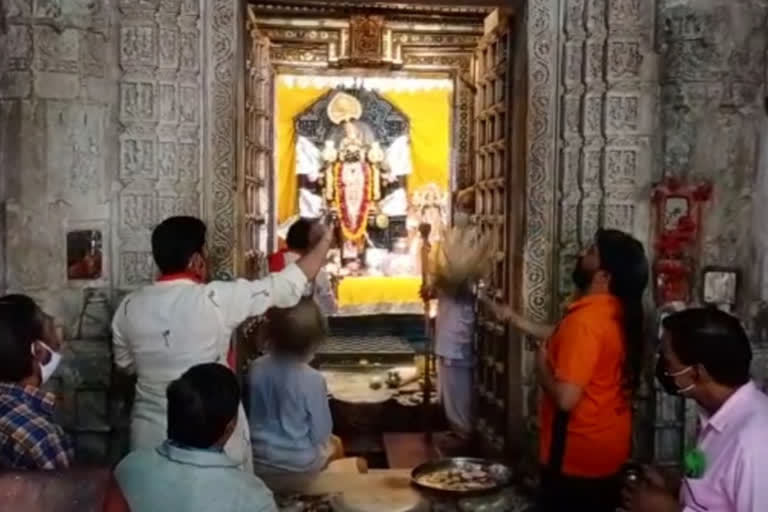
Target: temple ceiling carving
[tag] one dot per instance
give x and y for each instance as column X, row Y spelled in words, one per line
column 392, row 10
column 385, row 41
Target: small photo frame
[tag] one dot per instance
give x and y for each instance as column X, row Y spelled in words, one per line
column 84, row 255
column 675, row 208
column 720, row 286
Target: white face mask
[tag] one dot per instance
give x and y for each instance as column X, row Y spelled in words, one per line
column 47, row 369
column 686, row 389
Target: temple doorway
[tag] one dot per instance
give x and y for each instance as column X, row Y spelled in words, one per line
column 381, row 116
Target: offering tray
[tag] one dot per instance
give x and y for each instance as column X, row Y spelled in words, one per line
column 494, row 476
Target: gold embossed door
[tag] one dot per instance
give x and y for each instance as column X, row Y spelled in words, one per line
column 256, row 179
column 499, row 184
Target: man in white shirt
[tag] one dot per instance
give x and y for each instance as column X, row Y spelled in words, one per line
column 163, row 329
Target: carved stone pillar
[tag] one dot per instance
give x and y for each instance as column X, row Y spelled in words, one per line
column 608, row 116
column 223, row 50
column 160, row 113
column 713, row 79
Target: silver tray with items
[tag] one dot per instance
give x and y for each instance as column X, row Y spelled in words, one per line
column 461, row 476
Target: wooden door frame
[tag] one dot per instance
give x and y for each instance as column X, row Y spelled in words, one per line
column 516, row 209
column 222, row 63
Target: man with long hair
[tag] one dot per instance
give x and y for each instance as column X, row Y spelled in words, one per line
column 588, row 369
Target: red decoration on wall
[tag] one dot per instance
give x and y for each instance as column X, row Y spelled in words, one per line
column 678, row 216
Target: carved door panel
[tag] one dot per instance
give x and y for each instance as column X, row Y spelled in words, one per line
column 257, row 176
column 496, row 184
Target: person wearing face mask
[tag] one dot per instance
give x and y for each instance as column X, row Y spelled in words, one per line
column 706, row 356
column 587, row 371
column 161, row 330
column 461, row 259
column 29, row 354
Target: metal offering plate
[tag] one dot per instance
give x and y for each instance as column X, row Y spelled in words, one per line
column 461, row 476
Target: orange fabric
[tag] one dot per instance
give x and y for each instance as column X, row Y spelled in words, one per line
column 587, row 350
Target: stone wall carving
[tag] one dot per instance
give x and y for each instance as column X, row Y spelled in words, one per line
column 713, row 105
column 713, row 86
column 159, row 170
column 58, row 147
column 224, row 30
column 609, row 103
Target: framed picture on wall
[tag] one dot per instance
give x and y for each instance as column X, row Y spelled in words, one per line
column 84, row 254
column 719, row 286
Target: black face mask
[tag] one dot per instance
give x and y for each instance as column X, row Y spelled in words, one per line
column 666, row 382
column 581, row 277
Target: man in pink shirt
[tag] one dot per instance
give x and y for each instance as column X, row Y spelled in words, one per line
column 706, row 356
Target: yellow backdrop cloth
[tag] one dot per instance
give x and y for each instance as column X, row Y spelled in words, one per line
column 429, row 112
column 367, row 291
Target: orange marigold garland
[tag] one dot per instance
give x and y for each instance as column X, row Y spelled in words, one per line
column 353, row 229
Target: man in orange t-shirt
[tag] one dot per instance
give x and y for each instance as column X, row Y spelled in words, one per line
column 587, row 372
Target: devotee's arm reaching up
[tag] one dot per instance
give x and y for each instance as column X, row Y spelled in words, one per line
column 241, row 299
column 507, row 314
column 314, row 260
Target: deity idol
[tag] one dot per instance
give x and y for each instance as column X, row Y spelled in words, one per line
column 352, row 173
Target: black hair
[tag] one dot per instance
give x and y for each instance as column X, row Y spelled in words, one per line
column 21, row 324
column 28, row 319
column 201, row 404
column 623, row 257
column 295, row 331
column 713, row 339
column 175, row 241
column 298, row 235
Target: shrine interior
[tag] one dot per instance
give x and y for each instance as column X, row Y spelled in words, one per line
column 370, row 115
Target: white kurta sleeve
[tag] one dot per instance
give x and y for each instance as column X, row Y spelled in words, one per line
column 309, row 161
column 121, row 351
column 310, row 204
column 398, row 157
column 242, row 299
